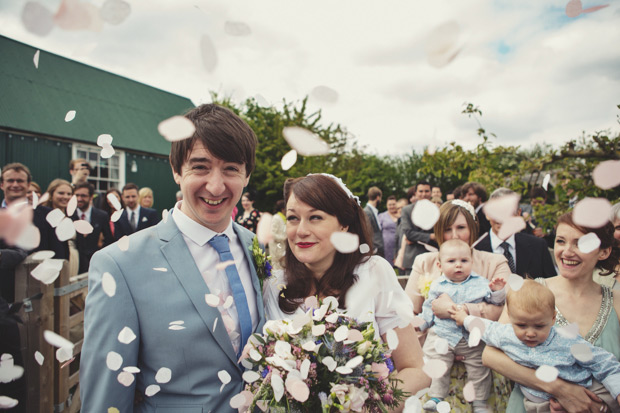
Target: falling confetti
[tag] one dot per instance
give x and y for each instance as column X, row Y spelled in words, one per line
column 588, row 243
column 83, row 227
column 241, row 400
column 176, row 128
column 443, row 407
column 425, row 214
column 305, row 142
column 70, row 116
column 515, row 282
column 8, row 370
column 164, row 215
column 392, row 339
column 237, row 29
column 503, row 208
column 212, row 300
column 278, row 385
column 344, row 242
column 65, row 230
column 42, row 255
column 47, row 271
column 364, row 248
column 474, row 337
column 152, row 390
column 37, row 19
column 441, row 345
column 606, row 175
column 160, row 269
column 511, row 226
column 413, row 405
column 547, row 373
column 592, row 212
column 435, row 368
column 126, row 379
column 123, row 243
column 114, row 361
column 163, row 375
column 469, row 392
column 126, row 335
column 131, row 369
column 250, row 376
column 115, row 12
column 569, row 331
column 208, row 53
column 39, row 358
column 442, row 44
column 330, row 363
column 545, row 183
column 7, row 403
column 289, row 159
column 108, row 283
column 103, row 140
column 107, row 151
column 341, row 333
column 54, row 217
column 116, row 215
column 35, row 59
column 263, row 229
column 582, row 352
column 325, row 94
column 56, row 340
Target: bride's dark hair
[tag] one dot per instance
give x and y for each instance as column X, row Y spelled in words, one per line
column 324, row 194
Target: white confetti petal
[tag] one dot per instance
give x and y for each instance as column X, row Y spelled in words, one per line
column 29, row 239
column 424, row 214
column 345, row 242
column 305, row 142
column 116, row 215
column 324, row 94
column 329, row 362
column 364, row 248
column 114, row 361
column 56, row 340
column 221, row 266
column 413, row 405
column 8, row 370
column 341, row 333
column 443, row 407
column 250, row 376
column 441, row 345
column 237, row 29
column 43, row 255
column 511, row 226
column 474, row 337
column 344, row 370
column 442, row 44
column 152, row 390
column 35, row 59
column 123, row 243
column 107, row 151
column 164, row 215
column 215, row 324
column 212, row 300
column 547, row 373
column 354, row 362
column 582, row 352
column 502, row 208
column 545, row 183
column 592, row 212
column 241, row 400
column 392, row 339
column 160, row 269
column 65, row 230
column 55, row 217
column 47, row 271
column 108, row 283
column 278, row 386
column 224, row 376
column 126, row 335
column 176, row 328
column 176, row 128
column 469, row 392
column 515, row 282
column 71, row 205
column 39, row 358
column 8, row 403
column 208, row 53
column 83, row 227
column 569, row 331
column 126, row 379
column 435, row 368
column 70, row 116
column 178, row 322
column 588, row 243
column 115, row 12
column 255, row 355
column 37, row 18
column 163, row 375
column 288, row 160
column 318, row 330
column 111, row 197
column 131, row 369
column 304, row 369
column 64, row 354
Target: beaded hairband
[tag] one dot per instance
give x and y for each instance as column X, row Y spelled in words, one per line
column 342, row 185
column 466, row 205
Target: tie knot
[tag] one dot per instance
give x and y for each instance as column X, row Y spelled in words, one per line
column 220, row 243
column 505, row 246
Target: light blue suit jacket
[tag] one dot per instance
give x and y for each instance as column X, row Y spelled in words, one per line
column 146, row 301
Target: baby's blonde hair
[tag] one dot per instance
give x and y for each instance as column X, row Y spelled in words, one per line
column 531, row 297
column 453, row 243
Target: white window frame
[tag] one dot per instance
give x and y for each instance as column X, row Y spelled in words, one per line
column 95, row 180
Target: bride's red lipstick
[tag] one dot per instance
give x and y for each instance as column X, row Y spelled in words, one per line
column 305, row 244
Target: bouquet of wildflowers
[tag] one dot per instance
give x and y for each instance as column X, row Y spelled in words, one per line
column 320, row 361
column 262, row 261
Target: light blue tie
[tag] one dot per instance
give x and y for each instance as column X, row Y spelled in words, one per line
column 220, row 243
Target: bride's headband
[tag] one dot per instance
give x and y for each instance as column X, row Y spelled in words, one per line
column 342, row 185
column 466, row 205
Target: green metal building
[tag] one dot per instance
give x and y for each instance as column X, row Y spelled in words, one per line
column 33, row 131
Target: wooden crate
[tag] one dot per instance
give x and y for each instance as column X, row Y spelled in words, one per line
column 49, row 385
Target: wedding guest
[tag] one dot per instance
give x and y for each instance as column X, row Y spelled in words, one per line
column 450, row 196
column 250, row 216
column 318, row 205
column 135, row 217
column 277, row 246
column 33, row 188
column 476, row 194
column 613, row 280
column 437, row 201
column 372, row 213
column 145, row 197
column 109, row 209
column 436, row 192
column 60, row 192
column 593, row 308
column 387, row 221
column 531, row 339
column 79, row 169
column 463, row 286
column 457, row 219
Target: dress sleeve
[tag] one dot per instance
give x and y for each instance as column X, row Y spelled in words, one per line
column 271, row 292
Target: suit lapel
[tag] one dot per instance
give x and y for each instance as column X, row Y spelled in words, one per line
column 523, row 256
column 183, row 266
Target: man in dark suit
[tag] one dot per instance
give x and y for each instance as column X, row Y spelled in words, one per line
column 374, row 198
column 134, row 217
column 476, row 195
column 88, row 244
column 527, row 255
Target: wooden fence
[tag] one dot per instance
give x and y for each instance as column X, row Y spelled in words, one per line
column 52, row 387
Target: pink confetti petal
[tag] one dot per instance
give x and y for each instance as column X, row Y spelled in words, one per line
column 208, row 53
column 297, row 388
column 69, row 117
column 606, row 175
column 103, row 140
column 435, row 368
column 355, row 335
column 35, row 59
column 176, row 128
column 288, row 160
column 425, row 214
column 263, row 229
column 237, row 29
column 592, row 212
column 325, row 94
column 152, row 390
column 442, row 44
column 582, row 352
column 305, row 142
column 163, row 375
column 511, row 226
column 392, row 339
column 573, row 8
column 417, row 321
column 311, row 302
column 502, row 208
column 123, row 243
column 116, row 215
column 114, row 361
column 83, row 227
column 39, row 358
column 545, row 182
column 469, row 393
column 115, row 12
column 54, row 217
column 588, row 243
column 126, row 379
column 108, row 284
column 37, row 18
column 547, row 373
column 515, row 282
column 221, row 266
column 126, row 335
column 72, row 15
column 595, row 8
column 344, row 242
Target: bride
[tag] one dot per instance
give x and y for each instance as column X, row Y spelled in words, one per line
column 318, row 205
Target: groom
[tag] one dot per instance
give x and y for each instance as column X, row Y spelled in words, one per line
column 155, row 306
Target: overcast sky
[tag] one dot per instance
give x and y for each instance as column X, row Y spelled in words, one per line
column 537, row 75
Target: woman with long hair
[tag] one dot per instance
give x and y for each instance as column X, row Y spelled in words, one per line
column 318, row 205
column 250, row 216
column 60, row 192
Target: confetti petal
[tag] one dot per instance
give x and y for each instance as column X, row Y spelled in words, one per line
column 126, row 335
column 83, row 227
column 435, row 368
column 115, row 12
column 511, row 226
column 108, row 283
column 7, row 403
column 547, row 373
column 71, row 205
column 443, row 407
column 107, row 151
column 176, row 328
column 123, row 243
column 355, row 335
column 588, row 243
column 212, row 300
column 126, row 379
column 345, row 242
column 477, row 323
column 364, row 248
column 344, row 370
column 469, row 392
column 65, row 230
column 263, row 229
column 311, row 302
column 114, row 361
column 325, row 94
column 224, row 376
column 318, row 330
column 250, row 376
column 330, row 363
column 176, row 128
column 594, row 8
column 288, row 160
column 417, row 321
column 70, row 116
column 43, row 255
column 116, row 215
column 502, row 208
column 573, row 8
column 442, row 44
column 305, row 142
column 39, row 358
column 392, row 339
column 592, row 212
column 228, row 302
column 208, row 53
column 47, row 271
column 104, row 140
column 425, row 214
column 474, row 337
column 413, row 405
column 56, row 340
column 35, row 59
column 582, row 352
column 237, row 29
column 221, row 266
column 278, row 386
column 606, row 175
column 152, row 390
column 131, row 369
column 8, row 370
column 37, row 18
column 341, row 333
column 441, row 345
column 163, row 375
column 354, row 362
column 569, row 331
column 545, row 183
column 54, row 217
column 44, row 198
column 515, row 282
column 164, row 215
column 160, row 269
column 29, row 239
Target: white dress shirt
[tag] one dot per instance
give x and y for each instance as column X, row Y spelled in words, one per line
column 495, row 242
column 87, row 213
column 137, row 211
column 375, row 212
column 196, row 237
